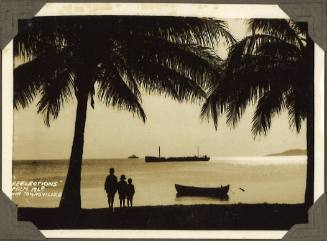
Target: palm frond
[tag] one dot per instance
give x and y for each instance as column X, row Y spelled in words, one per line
column 201, row 31
column 253, row 80
column 198, row 63
column 273, row 102
column 246, row 80
column 280, row 28
column 54, row 93
column 267, row 68
column 216, row 103
column 26, row 86
column 35, row 38
column 113, row 90
column 161, row 66
column 301, row 28
column 29, row 77
column 297, row 109
column 166, row 55
column 280, row 49
column 156, row 78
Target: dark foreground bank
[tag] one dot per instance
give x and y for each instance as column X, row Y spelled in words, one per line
column 197, row 217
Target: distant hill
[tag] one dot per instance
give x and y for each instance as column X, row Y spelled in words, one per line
column 292, row 152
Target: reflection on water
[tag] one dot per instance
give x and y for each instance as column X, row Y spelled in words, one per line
column 282, row 182
column 180, row 197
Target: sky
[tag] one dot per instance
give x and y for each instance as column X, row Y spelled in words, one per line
column 176, row 127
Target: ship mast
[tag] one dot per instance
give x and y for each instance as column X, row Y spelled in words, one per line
column 198, row 151
column 159, row 151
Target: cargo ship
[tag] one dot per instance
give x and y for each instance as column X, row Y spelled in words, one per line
column 176, row 159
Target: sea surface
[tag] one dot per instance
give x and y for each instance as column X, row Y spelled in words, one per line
column 280, row 179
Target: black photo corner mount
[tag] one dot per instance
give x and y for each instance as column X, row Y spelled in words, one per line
column 311, row 11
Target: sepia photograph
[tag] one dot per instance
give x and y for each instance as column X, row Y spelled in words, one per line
column 139, row 122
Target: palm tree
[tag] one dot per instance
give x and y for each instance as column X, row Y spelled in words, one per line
column 273, row 69
column 118, row 56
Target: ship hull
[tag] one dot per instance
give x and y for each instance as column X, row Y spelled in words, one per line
column 176, row 159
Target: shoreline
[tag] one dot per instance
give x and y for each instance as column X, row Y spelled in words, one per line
column 173, row 217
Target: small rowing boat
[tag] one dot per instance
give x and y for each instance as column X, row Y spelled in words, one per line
column 202, row 191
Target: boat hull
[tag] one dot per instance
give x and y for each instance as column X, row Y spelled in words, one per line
column 176, row 159
column 202, row 191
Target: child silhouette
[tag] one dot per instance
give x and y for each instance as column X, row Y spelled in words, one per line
column 122, row 186
column 130, row 192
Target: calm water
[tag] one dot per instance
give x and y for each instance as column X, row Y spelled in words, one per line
column 264, row 179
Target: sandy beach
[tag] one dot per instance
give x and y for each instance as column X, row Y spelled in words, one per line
column 199, row 217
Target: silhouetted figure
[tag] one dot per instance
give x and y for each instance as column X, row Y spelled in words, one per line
column 122, row 187
column 111, row 187
column 130, row 192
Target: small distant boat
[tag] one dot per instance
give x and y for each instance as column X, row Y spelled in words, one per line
column 202, row 191
column 133, row 157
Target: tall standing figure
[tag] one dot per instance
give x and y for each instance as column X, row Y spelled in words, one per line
column 111, row 187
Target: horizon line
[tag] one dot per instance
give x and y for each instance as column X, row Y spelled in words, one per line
column 214, row 157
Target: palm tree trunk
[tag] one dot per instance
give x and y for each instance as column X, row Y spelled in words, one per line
column 309, row 191
column 71, row 196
